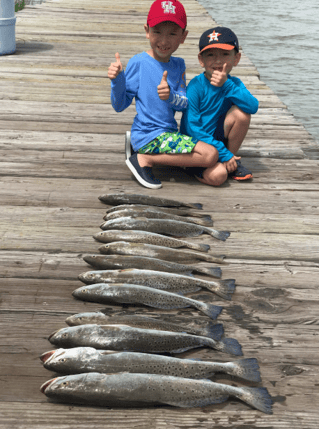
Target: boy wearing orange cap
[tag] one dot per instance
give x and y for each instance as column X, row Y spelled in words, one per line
column 157, row 81
column 219, row 106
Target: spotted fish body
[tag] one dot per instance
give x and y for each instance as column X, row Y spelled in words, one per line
column 111, row 390
column 87, row 359
column 211, row 330
column 182, row 211
column 126, row 338
column 112, row 262
column 160, row 280
column 135, row 294
column 155, row 251
column 154, row 214
column 147, row 238
column 117, row 199
column 164, row 226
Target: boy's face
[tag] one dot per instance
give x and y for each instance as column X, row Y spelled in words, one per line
column 214, row 58
column 164, row 39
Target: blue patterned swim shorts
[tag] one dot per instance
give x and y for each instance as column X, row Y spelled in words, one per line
column 170, row 143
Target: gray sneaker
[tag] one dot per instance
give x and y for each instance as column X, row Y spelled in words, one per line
column 143, row 174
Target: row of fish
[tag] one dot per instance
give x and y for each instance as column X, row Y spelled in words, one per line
column 117, row 361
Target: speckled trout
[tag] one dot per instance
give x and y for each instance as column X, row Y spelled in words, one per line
column 182, row 211
column 87, row 359
column 154, row 214
column 211, row 329
column 135, row 294
column 116, row 199
column 160, row 280
column 147, row 238
column 125, row 389
column 114, row 262
column 156, row 251
column 125, row 338
column 164, row 226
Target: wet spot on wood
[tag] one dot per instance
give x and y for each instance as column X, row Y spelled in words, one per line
column 290, row 370
column 236, row 312
column 278, row 398
column 269, row 292
column 264, row 306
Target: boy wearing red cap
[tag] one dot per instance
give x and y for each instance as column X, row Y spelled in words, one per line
column 219, row 106
column 157, row 81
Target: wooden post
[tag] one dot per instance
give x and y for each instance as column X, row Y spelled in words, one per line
column 7, row 27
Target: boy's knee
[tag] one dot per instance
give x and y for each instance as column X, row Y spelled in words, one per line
column 244, row 118
column 215, row 177
column 236, row 116
column 212, row 158
column 210, row 155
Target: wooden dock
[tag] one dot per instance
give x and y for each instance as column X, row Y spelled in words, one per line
column 62, row 145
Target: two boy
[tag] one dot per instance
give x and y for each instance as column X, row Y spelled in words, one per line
column 208, row 142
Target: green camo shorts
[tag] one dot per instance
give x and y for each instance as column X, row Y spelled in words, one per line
column 170, row 143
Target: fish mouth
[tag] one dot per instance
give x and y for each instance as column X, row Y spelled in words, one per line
column 53, row 333
column 83, row 278
column 47, row 384
column 87, row 259
column 45, row 357
column 48, row 356
column 69, row 321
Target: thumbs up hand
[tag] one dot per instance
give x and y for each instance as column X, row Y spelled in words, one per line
column 163, row 89
column 115, row 68
column 219, row 77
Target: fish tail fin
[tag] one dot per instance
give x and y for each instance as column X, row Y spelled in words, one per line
column 205, row 220
column 200, row 247
column 210, row 310
column 213, row 272
column 216, row 259
column 257, row 397
column 220, row 235
column 214, row 331
column 231, row 346
column 248, row 369
column 223, row 288
column 194, row 205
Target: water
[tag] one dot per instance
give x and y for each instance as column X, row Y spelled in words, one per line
column 282, row 40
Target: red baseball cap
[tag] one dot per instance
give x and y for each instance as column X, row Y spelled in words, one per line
column 171, row 10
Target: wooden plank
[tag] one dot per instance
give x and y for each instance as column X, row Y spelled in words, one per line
column 219, row 415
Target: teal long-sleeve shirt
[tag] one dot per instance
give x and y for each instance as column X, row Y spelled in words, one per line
column 208, row 103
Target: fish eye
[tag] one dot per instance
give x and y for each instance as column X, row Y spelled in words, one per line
column 65, row 383
column 65, row 335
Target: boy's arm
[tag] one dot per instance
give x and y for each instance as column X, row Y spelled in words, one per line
column 176, row 98
column 124, row 87
column 193, row 124
column 238, row 94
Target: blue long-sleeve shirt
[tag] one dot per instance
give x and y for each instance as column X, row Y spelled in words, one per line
column 207, row 103
column 154, row 116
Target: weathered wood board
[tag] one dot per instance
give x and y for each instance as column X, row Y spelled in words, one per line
column 62, row 145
